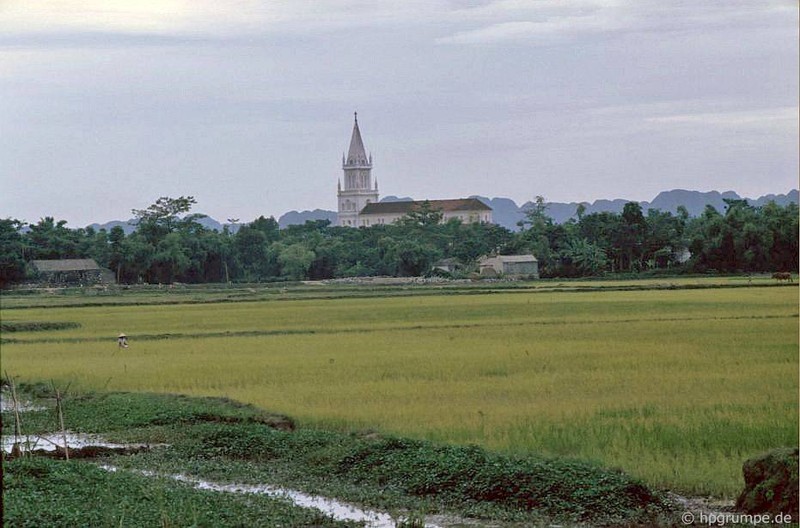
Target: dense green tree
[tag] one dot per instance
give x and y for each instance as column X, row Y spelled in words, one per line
column 295, row 260
column 468, row 242
column 251, row 247
column 163, row 217
column 97, row 246
column 170, row 260
column 268, row 226
column 410, row 258
column 178, row 251
column 587, row 258
column 12, row 248
column 663, row 239
column 629, row 239
column 782, row 223
column 116, row 257
column 535, row 237
column 49, row 239
column 136, row 256
column 745, row 238
column 425, row 215
column 170, row 245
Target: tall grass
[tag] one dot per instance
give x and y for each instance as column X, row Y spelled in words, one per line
column 676, row 387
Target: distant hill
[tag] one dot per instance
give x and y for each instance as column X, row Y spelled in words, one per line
column 694, row 201
column 391, row 198
column 507, row 213
column 129, row 227
column 294, row 217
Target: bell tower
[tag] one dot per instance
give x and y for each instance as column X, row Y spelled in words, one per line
column 358, row 189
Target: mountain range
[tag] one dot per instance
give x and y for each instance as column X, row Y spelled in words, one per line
column 507, row 213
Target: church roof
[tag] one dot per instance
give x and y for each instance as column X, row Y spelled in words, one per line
column 356, row 154
column 461, row 204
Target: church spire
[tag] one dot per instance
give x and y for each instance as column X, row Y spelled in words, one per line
column 356, row 190
column 356, row 155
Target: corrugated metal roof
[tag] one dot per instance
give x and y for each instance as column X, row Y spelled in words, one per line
column 65, row 265
column 517, row 258
column 507, row 258
column 461, row 204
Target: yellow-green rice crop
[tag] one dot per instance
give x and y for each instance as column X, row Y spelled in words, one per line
column 677, row 387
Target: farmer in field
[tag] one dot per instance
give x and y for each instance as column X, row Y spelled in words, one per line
column 122, row 341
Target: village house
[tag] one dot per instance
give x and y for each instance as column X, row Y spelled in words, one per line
column 509, row 266
column 71, row 272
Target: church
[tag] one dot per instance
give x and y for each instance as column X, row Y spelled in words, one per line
column 358, row 198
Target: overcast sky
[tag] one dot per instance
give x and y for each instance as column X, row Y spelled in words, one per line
column 105, row 105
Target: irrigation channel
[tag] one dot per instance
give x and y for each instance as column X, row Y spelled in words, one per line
column 340, row 511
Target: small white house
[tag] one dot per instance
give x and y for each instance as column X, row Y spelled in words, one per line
column 510, row 266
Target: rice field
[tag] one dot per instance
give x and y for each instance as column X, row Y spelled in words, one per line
column 677, row 387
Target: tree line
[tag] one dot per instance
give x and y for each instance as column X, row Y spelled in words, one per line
column 170, row 245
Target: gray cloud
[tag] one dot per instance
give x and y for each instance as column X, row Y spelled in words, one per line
column 248, row 106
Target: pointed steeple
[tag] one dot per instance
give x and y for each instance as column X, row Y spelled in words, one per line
column 356, row 155
column 356, row 190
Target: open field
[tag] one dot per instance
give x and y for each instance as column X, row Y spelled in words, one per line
column 676, row 386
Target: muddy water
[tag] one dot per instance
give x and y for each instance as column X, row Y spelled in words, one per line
column 51, row 441
column 341, row 511
column 7, row 404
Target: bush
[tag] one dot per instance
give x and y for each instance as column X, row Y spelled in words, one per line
column 771, row 483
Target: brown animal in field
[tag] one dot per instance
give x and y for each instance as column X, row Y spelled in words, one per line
column 782, row 276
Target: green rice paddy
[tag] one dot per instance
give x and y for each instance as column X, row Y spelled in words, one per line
column 675, row 386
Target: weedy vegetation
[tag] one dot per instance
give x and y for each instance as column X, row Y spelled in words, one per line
column 223, row 441
column 42, row 492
